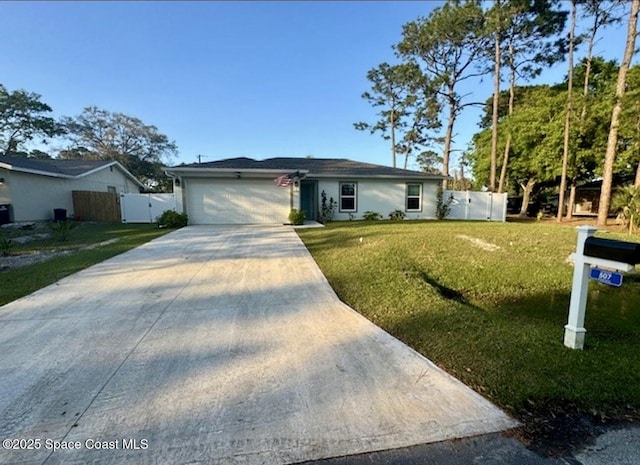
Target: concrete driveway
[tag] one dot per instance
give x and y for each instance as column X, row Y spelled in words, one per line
column 214, row 345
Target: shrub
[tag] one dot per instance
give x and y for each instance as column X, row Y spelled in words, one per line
column 172, row 219
column 397, row 215
column 371, row 216
column 297, row 216
column 6, row 245
column 627, row 203
column 62, row 229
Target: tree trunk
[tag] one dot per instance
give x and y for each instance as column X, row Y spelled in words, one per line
column 512, row 92
column 587, row 72
column 392, row 124
column 567, row 119
column 612, row 141
column 505, row 162
column 572, row 200
column 448, row 137
column 406, row 158
column 583, row 114
column 526, row 195
column 494, row 118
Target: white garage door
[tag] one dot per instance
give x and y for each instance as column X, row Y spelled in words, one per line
column 236, row 202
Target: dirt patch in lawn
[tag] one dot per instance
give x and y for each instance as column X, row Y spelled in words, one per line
column 484, row 245
column 8, row 262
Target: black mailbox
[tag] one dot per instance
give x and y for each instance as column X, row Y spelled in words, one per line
column 609, row 249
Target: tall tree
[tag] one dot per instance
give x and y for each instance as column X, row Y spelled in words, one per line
column 448, row 45
column 100, row 134
column 496, row 26
column 568, row 115
column 612, row 141
column 628, row 157
column 23, row 117
column 429, row 161
column 601, row 14
column 422, row 121
column 535, row 157
column 531, row 42
column 394, row 89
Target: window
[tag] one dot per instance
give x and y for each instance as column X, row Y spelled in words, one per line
column 112, row 189
column 414, row 197
column 348, row 196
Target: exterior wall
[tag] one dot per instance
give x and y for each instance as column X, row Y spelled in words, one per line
column 382, row 196
column 33, row 197
column 101, row 180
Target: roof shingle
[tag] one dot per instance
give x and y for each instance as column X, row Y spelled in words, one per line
column 54, row 166
column 315, row 166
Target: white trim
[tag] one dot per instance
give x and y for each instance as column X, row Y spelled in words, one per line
column 69, row 176
column 38, row 172
column 407, row 177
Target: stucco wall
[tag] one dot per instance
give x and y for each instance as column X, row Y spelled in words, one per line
column 382, row 196
column 33, row 197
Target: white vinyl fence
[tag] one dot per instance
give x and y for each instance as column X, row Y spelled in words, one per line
column 468, row 205
column 145, row 208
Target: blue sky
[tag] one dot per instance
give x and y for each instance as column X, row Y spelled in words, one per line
column 225, row 79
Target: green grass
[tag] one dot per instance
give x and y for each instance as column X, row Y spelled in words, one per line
column 494, row 319
column 18, row 282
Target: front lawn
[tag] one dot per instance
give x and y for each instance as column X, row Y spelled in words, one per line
column 85, row 245
column 488, row 303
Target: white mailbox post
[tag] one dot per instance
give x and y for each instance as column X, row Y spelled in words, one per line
column 574, row 329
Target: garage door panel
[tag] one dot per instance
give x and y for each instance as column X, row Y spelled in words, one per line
column 236, row 202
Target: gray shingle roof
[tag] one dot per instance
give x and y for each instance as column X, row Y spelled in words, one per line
column 315, row 167
column 53, row 166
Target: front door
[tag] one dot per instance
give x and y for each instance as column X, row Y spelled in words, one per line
column 309, row 199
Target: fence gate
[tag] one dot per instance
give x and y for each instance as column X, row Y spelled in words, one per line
column 96, row 206
column 145, row 208
column 468, row 205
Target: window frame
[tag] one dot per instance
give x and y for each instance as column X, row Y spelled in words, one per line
column 354, row 197
column 419, row 197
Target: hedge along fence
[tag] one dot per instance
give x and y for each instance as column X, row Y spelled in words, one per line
column 103, row 207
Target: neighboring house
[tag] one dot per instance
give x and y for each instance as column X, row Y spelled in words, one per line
column 588, row 195
column 245, row 191
column 35, row 187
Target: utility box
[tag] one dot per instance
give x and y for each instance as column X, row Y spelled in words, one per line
column 59, row 214
column 609, row 249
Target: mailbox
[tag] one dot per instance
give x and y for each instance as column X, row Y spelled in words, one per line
column 609, row 249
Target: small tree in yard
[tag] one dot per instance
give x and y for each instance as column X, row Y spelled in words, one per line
column 327, row 208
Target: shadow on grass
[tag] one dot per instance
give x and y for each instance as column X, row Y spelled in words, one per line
column 512, row 352
column 446, row 292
